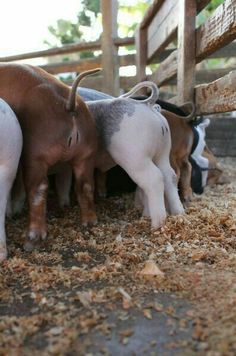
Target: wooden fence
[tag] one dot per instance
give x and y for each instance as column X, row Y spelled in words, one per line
column 160, row 26
column 168, row 20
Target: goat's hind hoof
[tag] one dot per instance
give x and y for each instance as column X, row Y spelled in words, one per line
column 186, row 202
column 29, row 246
column 34, row 241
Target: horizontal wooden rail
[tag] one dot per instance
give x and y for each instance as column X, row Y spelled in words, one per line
column 218, row 96
column 152, row 10
column 82, row 65
column 76, row 47
column 166, row 70
column 160, row 22
column 162, row 29
column 217, row 31
column 202, row 76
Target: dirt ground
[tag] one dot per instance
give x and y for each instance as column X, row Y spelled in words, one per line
column 122, row 289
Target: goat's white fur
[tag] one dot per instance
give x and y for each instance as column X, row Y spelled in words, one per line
column 10, row 150
column 141, row 147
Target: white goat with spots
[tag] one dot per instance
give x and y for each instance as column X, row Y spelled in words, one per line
column 136, row 136
column 10, row 151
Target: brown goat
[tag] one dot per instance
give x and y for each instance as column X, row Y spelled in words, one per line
column 182, row 142
column 57, row 127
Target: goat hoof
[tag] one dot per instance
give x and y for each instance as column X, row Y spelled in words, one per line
column 186, row 202
column 29, row 246
column 89, row 224
column 33, row 240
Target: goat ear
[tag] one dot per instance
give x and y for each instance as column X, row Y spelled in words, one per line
column 205, row 123
column 70, row 105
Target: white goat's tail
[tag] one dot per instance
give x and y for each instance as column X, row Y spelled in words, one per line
column 151, row 100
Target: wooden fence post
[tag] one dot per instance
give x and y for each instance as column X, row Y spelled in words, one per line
column 186, row 50
column 110, row 62
column 141, row 53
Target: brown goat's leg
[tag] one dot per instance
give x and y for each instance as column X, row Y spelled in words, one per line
column 100, row 184
column 84, row 176
column 186, row 193
column 36, row 185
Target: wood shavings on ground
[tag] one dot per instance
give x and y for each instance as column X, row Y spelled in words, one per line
column 84, row 291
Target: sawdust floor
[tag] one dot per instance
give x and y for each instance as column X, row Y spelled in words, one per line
column 86, row 293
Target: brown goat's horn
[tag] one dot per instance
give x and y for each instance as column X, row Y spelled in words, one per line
column 70, row 106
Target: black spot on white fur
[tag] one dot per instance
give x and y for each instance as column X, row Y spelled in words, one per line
column 109, row 115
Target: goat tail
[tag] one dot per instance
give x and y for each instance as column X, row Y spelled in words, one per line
column 189, row 107
column 70, row 105
column 151, row 100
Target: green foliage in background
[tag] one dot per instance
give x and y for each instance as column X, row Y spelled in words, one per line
column 129, row 15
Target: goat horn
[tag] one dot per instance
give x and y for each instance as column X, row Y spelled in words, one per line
column 70, row 106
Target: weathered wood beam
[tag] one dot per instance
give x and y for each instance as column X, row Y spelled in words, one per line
column 202, row 76
column 110, row 63
column 153, row 9
column 225, row 52
column 218, row 96
column 186, row 50
column 76, row 47
column 151, row 13
column 82, row 65
column 66, row 49
column 166, row 70
column 162, row 29
column 217, row 31
column 141, row 53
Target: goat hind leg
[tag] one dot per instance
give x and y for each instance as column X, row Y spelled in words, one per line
column 5, row 186
column 36, row 185
column 84, row 179
column 150, row 180
column 175, row 206
column 63, row 186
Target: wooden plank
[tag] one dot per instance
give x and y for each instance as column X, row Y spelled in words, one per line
column 186, row 50
column 123, row 42
column 217, row 31
column 82, row 65
column 153, row 9
column 227, row 51
column 75, row 47
column 110, row 63
column 141, row 53
column 150, row 13
column 202, row 76
column 218, row 96
column 166, row 70
column 162, row 30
